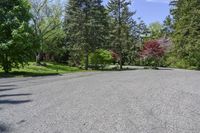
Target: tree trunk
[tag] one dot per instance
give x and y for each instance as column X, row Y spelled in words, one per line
column 6, row 68
column 119, row 31
column 120, row 62
column 86, row 60
column 38, row 59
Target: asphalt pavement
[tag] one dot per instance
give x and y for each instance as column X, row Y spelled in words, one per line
column 137, row 101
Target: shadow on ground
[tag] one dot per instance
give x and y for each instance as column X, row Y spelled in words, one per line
column 2, row 89
column 7, row 89
column 129, row 68
column 124, row 69
column 7, row 86
column 24, row 74
column 4, row 128
column 14, row 95
column 14, row 101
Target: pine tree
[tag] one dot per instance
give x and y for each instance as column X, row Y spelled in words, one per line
column 85, row 22
column 186, row 33
column 167, row 27
column 121, row 26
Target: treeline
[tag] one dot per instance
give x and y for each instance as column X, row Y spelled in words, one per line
column 90, row 34
column 90, row 26
column 185, row 34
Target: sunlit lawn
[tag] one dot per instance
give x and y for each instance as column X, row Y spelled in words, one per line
column 33, row 70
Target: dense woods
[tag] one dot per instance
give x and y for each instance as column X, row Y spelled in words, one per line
column 88, row 34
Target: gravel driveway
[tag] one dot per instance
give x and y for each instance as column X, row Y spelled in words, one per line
column 138, row 101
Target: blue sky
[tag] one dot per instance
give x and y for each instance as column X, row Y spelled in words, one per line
column 150, row 10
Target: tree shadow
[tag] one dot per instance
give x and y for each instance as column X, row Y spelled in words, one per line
column 14, row 101
column 25, row 74
column 136, row 68
column 13, row 95
column 124, row 69
column 158, row 68
column 165, row 69
column 4, row 128
column 7, row 87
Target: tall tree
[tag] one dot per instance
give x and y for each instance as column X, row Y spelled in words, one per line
column 168, row 26
column 121, row 25
column 85, row 23
column 15, row 33
column 142, row 31
column 46, row 21
column 186, row 31
column 156, row 30
column 139, row 34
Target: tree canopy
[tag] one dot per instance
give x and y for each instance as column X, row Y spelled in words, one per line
column 75, row 32
column 16, row 44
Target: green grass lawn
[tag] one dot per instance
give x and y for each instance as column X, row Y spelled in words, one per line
column 33, row 70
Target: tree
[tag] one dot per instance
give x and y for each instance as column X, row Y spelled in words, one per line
column 121, row 25
column 100, row 58
column 15, row 34
column 168, row 27
column 46, row 22
column 186, row 33
column 142, row 31
column 156, row 30
column 85, row 23
column 152, row 52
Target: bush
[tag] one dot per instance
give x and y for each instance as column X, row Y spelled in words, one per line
column 152, row 53
column 173, row 61
column 100, row 58
column 75, row 58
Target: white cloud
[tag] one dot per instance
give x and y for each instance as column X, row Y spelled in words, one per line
column 159, row 1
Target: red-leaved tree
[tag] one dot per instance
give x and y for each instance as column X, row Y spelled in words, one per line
column 152, row 52
column 115, row 56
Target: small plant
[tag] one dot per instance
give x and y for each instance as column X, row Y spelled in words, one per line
column 152, row 52
column 100, row 58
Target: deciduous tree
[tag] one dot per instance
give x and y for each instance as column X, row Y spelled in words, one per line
column 16, row 44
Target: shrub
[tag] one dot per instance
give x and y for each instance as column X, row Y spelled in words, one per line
column 100, row 58
column 152, row 53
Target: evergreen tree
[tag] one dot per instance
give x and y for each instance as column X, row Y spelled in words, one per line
column 15, row 33
column 186, row 31
column 85, row 23
column 142, row 31
column 121, row 26
column 168, row 27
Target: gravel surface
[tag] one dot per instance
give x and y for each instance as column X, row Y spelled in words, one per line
column 138, row 101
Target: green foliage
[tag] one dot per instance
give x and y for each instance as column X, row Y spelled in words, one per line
column 85, row 25
column 168, row 27
column 152, row 53
column 186, row 35
column 121, row 28
column 16, row 45
column 48, row 31
column 89, row 27
column 100, row 58
column 33, row 70
column 181, row 63
column 76, row 58
column 156, row 31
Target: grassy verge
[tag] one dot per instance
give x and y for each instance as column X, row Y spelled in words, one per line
column 33, row 70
